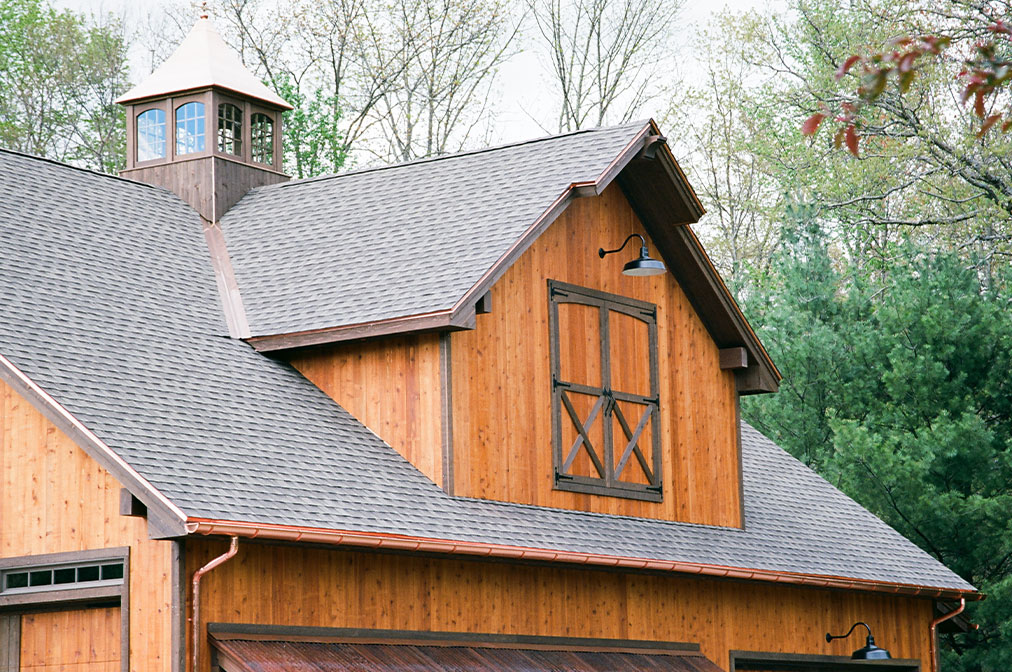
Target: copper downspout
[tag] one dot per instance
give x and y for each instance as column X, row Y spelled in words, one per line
column 220, row 560
column 388, row 541
column 933, row 630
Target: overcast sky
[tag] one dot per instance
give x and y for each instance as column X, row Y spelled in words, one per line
column 522, row 80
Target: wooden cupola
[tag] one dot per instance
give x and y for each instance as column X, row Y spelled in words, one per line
column 203, row 126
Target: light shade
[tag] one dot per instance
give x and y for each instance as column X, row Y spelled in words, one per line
column 869, row 651
column 641, row 265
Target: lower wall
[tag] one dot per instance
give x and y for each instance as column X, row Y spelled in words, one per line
column 288, row 585
column 54, row 498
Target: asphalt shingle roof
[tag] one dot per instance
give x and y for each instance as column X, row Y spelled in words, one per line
column 400, row 240
column 108, row 302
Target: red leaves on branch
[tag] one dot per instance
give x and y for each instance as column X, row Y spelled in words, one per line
column 983, row 76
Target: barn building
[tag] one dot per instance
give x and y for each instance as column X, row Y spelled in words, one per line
column 413, row 417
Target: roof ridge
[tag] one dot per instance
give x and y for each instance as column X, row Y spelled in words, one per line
column 92, row 171
column 454, row 155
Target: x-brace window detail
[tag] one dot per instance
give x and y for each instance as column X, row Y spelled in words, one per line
column 605, row 440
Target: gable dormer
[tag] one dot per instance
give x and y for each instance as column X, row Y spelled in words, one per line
column 474, row 326
column 203, row 126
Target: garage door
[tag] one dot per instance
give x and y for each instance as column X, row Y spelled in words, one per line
column 82, row 640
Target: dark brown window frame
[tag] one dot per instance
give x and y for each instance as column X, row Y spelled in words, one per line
column 15, row 604
column 608, row 484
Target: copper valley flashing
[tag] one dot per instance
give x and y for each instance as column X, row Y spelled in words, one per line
column 395, row 542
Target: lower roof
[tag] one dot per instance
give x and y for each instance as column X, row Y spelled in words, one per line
column 110, row 313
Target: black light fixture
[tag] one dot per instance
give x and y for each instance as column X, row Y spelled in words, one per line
column 869, row 651
column 641, row 265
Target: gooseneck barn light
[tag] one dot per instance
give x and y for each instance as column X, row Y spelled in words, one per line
column 642, row 265
column 869, row 651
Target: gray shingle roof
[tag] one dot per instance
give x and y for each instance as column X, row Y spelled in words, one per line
column 108, row 302
column 401, row 240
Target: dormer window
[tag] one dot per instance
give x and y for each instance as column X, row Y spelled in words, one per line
column 605, row 418
column 262, row 138
column 229, row 129
column 190, row 128
column 151, row 135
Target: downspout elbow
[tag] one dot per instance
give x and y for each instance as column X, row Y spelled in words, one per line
column 933, row 632
column 197, row 576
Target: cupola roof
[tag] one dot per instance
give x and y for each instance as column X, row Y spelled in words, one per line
column 203, row 60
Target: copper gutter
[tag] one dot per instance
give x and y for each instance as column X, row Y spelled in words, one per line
column 933, row 632
column 397, row 542
column 220, row 560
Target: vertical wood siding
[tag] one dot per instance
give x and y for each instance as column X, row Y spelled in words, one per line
column 285, row 585
column 502, row 442
column 82, row 640
column 391, row 385
column 55, row 498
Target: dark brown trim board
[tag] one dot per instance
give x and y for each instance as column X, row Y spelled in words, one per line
column 795, row 662
column 446, row 409
column 45, row 600
column 10, row 642
column 178, row 634
column 172, row 518
column 228, row 286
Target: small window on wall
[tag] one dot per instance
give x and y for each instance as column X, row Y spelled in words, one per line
column 190, row 128
column 60, row 577
column 262, row 140
column 151, row 135
column 605, row 418
column 229, row 129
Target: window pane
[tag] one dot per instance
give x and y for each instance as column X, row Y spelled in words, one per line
column 190, row 128
column 42, row 578
column 18, row 580
column 262, row 140
column 229, row 129
column 87, row 573
column 112, row 572
column 151, row 135
column 65, row 575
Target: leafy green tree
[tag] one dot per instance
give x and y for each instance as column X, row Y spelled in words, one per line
column 897, row 390
column 59, row 75
column 313, row 142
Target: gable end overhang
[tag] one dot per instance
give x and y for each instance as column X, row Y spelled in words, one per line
column 663, row 199
column 411, row 544
column 165, row 519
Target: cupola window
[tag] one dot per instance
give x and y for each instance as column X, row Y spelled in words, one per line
column 605, row 404
column 262, row 141
column 190, row 128
column 229, row 129
column 151, row 135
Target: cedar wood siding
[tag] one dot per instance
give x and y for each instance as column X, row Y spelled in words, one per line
column 502, row 424
column 300, row 586
column 55, row 498
column 496, row 429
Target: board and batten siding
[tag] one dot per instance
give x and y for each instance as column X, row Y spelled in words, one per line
column 392, row 385
column 485, row 428
column 502, row 387
column 316, row 587
column 55, row 498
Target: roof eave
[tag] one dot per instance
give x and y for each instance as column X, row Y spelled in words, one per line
column 407, row 543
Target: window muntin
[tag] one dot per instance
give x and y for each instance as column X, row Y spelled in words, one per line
column 62, row 576
column 605, row 403
column 190, row 128
column 229, row 129
column 151, row 135
column 262, row 138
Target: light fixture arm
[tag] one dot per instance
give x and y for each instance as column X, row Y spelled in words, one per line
column 830, row 637
column 643, row 244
